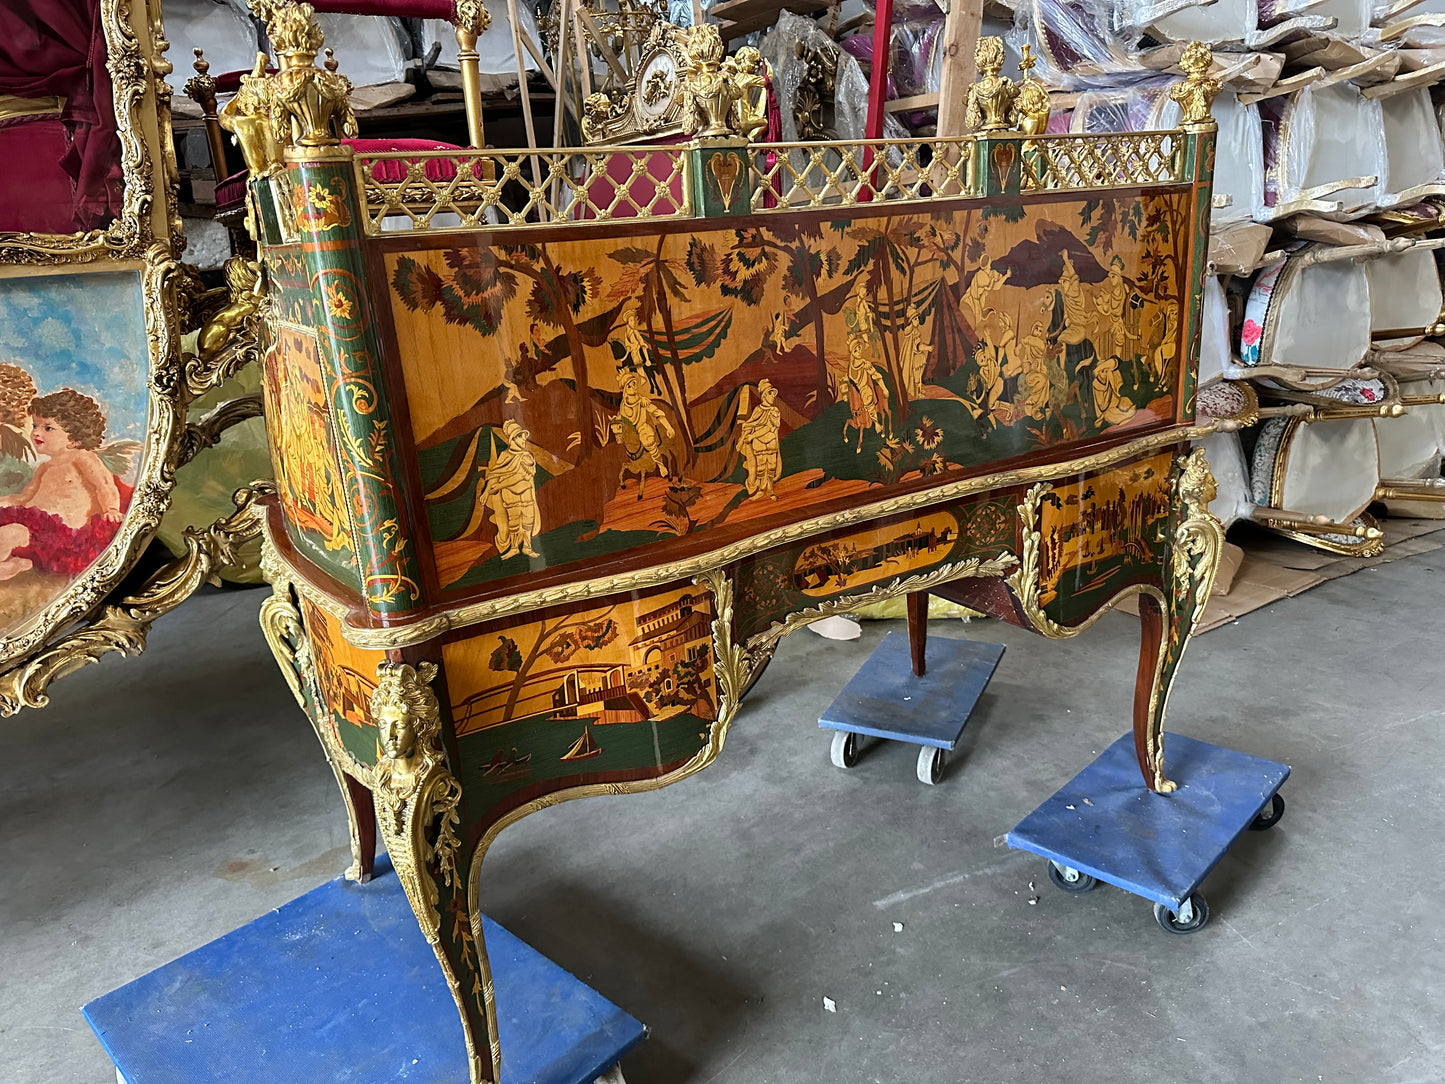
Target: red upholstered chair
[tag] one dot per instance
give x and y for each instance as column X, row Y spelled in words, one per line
column 38, row 193
column 203, row 89
column 58, row 139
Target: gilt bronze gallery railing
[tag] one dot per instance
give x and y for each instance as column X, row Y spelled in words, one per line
column 459, row 190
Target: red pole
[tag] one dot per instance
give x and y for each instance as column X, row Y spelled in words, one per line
column 877, row 89
column 878, row 80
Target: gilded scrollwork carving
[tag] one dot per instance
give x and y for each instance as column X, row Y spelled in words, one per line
column 1195, row 545
column 285, row 633
column 207, row 433
column 764, row 642
column 122, row 626
column 230, row 338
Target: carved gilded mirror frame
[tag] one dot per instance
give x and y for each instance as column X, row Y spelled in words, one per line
column 89, row 617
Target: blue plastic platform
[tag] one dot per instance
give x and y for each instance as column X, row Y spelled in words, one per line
column 1106, row 823
column 340, row 985
column 885, row 700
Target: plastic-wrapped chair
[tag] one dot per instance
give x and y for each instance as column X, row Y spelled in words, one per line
column 1414, row 151
column 1306, row 318
column 1322, row 476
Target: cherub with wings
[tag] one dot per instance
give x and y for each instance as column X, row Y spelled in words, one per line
column 76, row 499
column 17, row 390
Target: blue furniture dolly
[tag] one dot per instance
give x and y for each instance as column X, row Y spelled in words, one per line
column 340, row 985
column 890, row 697
column 1104, row 826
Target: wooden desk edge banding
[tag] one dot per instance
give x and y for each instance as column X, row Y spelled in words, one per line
column 520, row 555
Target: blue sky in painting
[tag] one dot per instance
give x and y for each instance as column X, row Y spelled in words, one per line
column 81, row 331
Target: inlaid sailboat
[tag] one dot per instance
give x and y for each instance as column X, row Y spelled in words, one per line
column 583, row 747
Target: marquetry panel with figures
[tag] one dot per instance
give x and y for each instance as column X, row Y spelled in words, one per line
column 346, row 678
column 1102, row 532
column 617, row 691
column 573, row 399
column 302, row 435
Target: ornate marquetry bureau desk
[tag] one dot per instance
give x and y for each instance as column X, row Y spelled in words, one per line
column 566, row 441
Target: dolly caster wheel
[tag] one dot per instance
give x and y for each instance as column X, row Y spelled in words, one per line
column 1068, row 879
column 1190, row 918
column 931, row 763
column 844, row 752
column 1270, row 817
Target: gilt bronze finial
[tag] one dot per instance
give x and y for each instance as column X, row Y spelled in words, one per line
column 991, row 98
column 1197, row 93
column 310, row 106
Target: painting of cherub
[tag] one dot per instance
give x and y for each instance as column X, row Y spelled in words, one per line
column 74, row 502
column 74, row 364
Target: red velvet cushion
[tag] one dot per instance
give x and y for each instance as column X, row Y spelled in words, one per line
column 36, row 192
column 231, row 192
column 393, row 171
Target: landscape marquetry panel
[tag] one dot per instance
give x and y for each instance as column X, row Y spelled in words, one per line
column 616, row 691
column 1102, row 532
column 800, row 577
column 575, row 399
column 346, row 676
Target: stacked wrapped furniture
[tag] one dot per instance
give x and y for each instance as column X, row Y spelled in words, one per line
column 1318, row 332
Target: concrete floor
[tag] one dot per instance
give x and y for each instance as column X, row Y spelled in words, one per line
column 163, row 801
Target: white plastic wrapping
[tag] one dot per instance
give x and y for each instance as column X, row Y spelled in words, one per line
column 1410, row 446
column 227, row 35
column 494, row 47
column 1404, row 291
column 1215, row 348
column 1330, row 468
column 1330, row 140
column 1322, row 317
column 1414, row 153
column 1232, row 501
column 1078, row 43
column 371, row 50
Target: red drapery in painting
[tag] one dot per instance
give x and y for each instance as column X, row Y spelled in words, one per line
column 57, row 47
